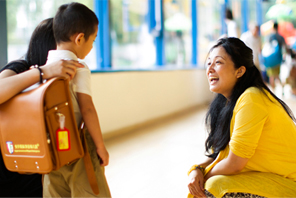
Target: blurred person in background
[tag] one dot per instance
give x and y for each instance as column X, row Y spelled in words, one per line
column 231, row 24
column 274, row 72
column 253, row 40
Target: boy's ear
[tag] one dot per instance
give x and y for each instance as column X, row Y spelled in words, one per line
column 79, row 38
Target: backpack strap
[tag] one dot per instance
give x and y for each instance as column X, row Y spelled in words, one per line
column 88, row 164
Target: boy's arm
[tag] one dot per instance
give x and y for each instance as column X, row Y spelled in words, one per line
column 91, row 121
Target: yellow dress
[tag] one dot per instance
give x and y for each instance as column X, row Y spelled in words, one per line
column 261, row 131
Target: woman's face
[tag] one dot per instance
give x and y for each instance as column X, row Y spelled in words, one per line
column 221, row 73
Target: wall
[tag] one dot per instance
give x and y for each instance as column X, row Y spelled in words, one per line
column 127, row 100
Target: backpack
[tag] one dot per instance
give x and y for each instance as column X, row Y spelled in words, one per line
column 271, row 54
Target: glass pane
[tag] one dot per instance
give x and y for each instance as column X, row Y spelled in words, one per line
column 178, row 40
column 265, row 6
column 209, row 26
column 22, row 18
column 252, row 11
column 235, row 7
column 132, row 44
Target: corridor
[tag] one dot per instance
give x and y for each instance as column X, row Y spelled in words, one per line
column 153, row 162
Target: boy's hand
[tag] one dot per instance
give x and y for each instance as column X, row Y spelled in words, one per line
column 104, row 155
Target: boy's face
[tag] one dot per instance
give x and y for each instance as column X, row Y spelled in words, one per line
column 87, row 45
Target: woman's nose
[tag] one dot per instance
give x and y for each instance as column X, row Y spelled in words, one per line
column 210, row 68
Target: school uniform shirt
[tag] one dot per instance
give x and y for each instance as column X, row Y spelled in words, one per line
column 231, row 28
column 263, row 132
column 81, row 83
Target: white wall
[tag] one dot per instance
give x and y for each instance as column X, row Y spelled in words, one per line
column 127, row 99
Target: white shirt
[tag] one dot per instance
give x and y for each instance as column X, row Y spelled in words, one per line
column 81, row 82
column 231, row 28
column 255, row 44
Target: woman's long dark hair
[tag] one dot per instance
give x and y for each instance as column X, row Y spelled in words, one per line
column 220, row 112
column 42, row 40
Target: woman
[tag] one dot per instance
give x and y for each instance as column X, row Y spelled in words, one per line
column 15, row 77
column 251, row 144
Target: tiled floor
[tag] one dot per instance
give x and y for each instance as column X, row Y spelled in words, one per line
column 153, row 162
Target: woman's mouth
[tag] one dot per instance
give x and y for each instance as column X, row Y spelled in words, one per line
column 213, row 80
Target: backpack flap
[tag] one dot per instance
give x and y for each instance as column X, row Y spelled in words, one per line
column 23, row 134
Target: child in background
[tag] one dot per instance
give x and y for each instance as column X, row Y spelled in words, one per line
column 75, row 29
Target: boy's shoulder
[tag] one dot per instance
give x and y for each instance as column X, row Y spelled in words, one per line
column 83, row 63
column 61, row 54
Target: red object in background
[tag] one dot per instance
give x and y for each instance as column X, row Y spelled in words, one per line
column 287, row 30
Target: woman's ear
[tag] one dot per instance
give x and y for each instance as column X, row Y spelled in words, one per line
column 79, row 39
column 240, row 71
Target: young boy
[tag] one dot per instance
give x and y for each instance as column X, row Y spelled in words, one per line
column 75, row 29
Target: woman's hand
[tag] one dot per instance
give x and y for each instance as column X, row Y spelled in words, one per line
column 196, row 183
column 61, row 68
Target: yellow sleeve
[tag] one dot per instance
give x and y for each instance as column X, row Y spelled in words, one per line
column 249, row 118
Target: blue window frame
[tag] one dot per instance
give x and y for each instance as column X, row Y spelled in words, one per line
column 259, row 12
column 155, row 18
column 194, row 16
column 245, row 15
column 156, row 27
column 103, row 50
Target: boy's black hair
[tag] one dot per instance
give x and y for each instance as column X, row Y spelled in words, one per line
column 71, row 19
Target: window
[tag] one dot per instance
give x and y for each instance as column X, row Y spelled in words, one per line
column 22, row 18
column 252, row 11
column 132, row 45
column 209, row 27
column 177, row 26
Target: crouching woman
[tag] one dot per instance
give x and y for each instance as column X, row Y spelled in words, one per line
column 252, row 134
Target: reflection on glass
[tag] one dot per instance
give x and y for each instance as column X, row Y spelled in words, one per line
column 177, row 24
column 132, row 44
column 209, row 26
column 22, row 18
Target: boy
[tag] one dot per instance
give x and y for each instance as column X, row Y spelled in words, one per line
column 75, row 29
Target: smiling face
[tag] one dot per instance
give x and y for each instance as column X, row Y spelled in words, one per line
column 221, row 72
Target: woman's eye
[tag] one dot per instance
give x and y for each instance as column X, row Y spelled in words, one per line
column 218, row 62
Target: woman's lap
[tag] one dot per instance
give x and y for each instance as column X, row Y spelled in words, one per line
column 233, row 195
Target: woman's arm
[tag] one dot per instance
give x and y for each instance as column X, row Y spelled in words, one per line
column 196, row 179
column 12, row 83
column 231, row 165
